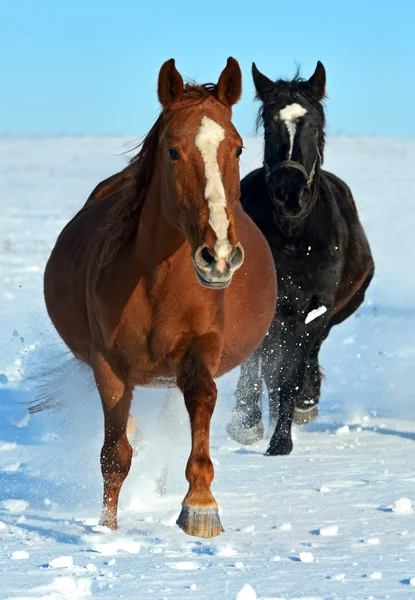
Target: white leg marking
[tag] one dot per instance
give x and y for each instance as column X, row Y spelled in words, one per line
column 208, row 139
column 289, row 115
column 314, row 314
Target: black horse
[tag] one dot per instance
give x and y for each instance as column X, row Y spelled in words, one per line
column 322, row 258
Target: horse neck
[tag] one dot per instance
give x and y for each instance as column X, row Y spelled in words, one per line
column 157, row 238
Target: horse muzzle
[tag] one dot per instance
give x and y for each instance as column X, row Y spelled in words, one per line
column 215, row 271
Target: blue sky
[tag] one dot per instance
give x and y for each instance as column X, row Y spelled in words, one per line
column 91, row 66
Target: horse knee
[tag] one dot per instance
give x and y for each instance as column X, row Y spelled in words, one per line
column 203, row 394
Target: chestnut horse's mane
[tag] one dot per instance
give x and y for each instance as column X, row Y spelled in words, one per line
column 123, row 217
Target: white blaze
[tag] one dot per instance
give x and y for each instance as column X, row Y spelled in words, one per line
column 208, row 139
column 289, row 115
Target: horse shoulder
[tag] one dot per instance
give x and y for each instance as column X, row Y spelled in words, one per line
column 357, row 258
column 341, row 193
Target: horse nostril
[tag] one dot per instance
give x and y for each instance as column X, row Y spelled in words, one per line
column 237, row 257
column 208, row 256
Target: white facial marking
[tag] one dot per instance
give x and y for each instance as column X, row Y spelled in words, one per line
column 289, row 115
column 208, row 139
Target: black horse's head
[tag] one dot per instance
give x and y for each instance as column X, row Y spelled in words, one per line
column 293, row 118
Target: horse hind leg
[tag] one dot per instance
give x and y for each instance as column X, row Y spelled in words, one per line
column 116, row 453
column 200, row 514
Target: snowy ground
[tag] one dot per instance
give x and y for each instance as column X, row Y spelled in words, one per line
column 333, row 497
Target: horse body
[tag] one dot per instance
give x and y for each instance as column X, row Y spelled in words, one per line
column 103, row 301
column 320, row 251
column 149, row 281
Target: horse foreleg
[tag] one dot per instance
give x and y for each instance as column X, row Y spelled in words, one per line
column 200, row 515
column 306, row 404
column 296, row 342
column 116, row 452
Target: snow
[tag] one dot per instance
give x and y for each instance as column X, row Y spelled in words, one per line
column 274, row 509
column 306, row 557
column 15, row 505
column 226, row 551
column 186, row 565
column 338, row 577
column 248, row 529
column 402, row 506
column 344, row 430
column 61, row 562
column 375, row 575
column 6, row 447
column 246, row 593
column 110, row 548
column 170, row 518
column 91, row 567
column 11, row 468
column 329, row 530
column 20, row 555
column 373, row 541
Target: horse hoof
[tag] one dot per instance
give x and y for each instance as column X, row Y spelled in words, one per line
column 200, row 522
column 245, row 435
column 281, row 447
column 302, row 416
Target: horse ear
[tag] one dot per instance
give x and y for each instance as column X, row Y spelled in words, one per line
column 262, row 83
column 170, row 84
column 229, row 89
column 318, row 80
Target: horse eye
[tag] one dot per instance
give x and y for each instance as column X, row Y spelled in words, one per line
column 174, row 154
column 239, row 151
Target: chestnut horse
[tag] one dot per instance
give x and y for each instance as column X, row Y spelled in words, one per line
column 146, row 284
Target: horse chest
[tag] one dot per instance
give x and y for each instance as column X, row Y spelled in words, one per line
column 165, row 320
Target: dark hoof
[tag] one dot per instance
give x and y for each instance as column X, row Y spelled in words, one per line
column 201, row 522
column 303, row 416
column 279, row 447
column 245, row 435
